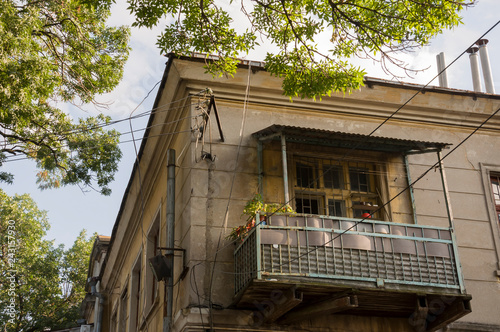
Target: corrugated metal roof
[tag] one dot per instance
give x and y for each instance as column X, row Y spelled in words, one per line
column 347, row 140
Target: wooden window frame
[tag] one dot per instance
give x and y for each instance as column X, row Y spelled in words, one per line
column 345, row 194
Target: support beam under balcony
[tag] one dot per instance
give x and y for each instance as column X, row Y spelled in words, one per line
column 325, row 307
column 419, row 318
column 281, row 303
column 441, row 314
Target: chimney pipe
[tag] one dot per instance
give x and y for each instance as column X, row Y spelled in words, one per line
column 474, row 67
column 485, row 64
column 443, row 77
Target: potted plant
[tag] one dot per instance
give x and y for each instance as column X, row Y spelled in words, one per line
column 273, row 208
column 255, row 205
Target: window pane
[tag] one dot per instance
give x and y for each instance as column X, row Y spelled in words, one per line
column 495, row 185
column 305, row 176
column 359, row 179
column 332, row 176
column 336, row 208
column 307, row 205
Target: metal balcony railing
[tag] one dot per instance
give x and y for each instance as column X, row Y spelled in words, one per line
column 375, row 253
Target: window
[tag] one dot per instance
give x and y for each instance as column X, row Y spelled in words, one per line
column 495, row 186
column 338, row 188
column 114, row 322
column 153, row 242
column 135, row 294
column 491, row 182
column 123, row 316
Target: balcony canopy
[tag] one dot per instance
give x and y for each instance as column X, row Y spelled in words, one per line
column 347, row 140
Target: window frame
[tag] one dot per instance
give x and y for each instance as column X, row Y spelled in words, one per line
column 123, row 310
column 153, row 241
column 343, row 194
column 486, row 172
column 135, row 293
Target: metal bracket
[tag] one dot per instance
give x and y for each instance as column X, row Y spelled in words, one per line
column 214, row 106
column 185, row 269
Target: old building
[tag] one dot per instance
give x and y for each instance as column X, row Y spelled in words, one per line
column 394, row 224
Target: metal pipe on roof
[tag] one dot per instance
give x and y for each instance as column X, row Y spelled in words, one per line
column 443, row 76
column 485, row 64
column 474, row 67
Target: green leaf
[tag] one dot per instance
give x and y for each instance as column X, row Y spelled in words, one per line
column 53, row 51
column 358, row 28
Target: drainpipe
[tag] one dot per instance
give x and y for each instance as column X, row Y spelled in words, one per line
column 93, row 290
column 445, row 190
column 167, row 321
column 449, row 212
column 474, row 67
column 260, row 167
column 485, row 64
column 285, row 168
column 412, row 192
column 98, row 324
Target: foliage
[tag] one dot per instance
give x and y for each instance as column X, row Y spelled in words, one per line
column 59, row 51
column 256, row 205
column 42, row 285
column 273, row 208
column 376, row 29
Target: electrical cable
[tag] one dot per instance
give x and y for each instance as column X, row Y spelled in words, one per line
column 226, row 215
column 355, row 147
column 378, row 127
column 421, row 176
column 113, row 122
column 127, row 132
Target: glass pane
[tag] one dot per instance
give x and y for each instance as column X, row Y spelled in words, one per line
column 307, row 205
column 332, row 176
column 359, row 179
column 336, row 208
column 305, row 176
column 495, row 185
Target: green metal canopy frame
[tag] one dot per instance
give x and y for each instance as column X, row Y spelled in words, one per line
column 347, row 140
column 353, row 141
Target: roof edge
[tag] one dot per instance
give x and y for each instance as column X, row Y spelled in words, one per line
column 168, row 65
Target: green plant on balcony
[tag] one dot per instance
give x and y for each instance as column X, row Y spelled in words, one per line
column 273, row 208
column 254, row 206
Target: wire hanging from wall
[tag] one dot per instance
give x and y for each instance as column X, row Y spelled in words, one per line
column 202, row 124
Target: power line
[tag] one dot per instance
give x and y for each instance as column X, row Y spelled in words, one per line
column 381, row 207
column 355, row 147
column 378, row 127
column 160, row 109
column 13, row 157
column 226, row 215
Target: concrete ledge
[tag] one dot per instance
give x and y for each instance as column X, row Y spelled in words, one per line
column 471, row 327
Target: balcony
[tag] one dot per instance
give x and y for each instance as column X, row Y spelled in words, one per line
column 324, row 265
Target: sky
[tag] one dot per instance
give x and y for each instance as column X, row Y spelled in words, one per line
column 71, row 209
